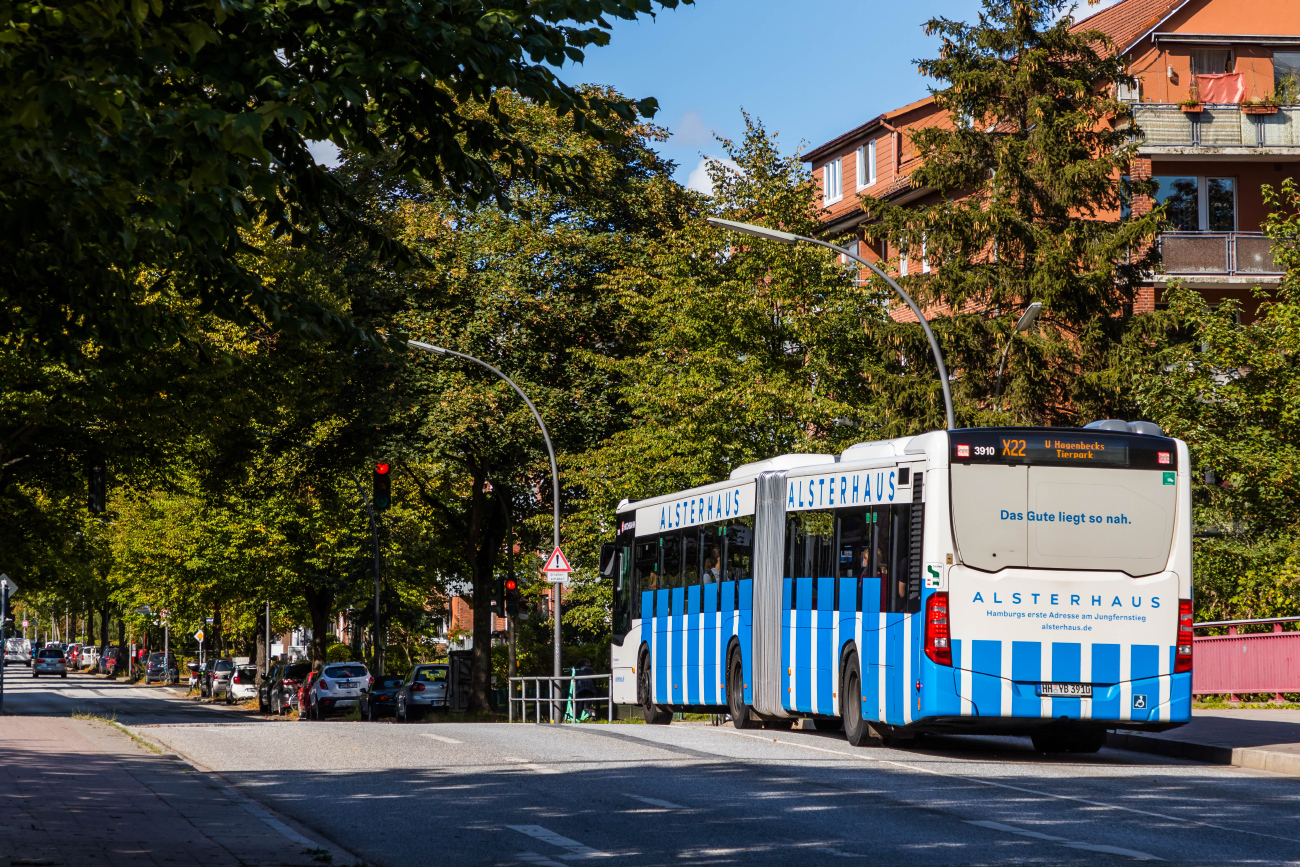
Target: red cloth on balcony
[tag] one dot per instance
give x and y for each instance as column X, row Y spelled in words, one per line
column 1225, row 87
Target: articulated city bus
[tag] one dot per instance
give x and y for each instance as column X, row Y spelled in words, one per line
column 990, row 580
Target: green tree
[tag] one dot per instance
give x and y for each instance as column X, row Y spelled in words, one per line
column 1233, row 393
column 1027, row 188
column 141, row 142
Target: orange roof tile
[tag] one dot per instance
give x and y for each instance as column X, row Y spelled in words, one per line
column 1128, row 20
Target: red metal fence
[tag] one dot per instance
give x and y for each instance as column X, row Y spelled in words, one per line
column 1254, row 662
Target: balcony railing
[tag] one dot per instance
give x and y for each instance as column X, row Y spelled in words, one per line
column 1217, row 126
column 1226, row 253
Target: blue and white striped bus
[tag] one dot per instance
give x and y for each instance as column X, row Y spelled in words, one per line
column 990, row 580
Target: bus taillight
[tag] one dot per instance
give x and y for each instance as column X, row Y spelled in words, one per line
column 1183, row 656
column 937, row 646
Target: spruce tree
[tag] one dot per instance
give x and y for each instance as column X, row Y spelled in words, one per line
column 1028, row 184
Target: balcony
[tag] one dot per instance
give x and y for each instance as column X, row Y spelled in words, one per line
column 1167, row 128
column 1217, row 254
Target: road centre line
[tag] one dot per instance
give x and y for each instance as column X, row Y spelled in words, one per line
column 537, row 832
column 655, row 802
column 445, row 740
column 980, row 781
column 1091, row 847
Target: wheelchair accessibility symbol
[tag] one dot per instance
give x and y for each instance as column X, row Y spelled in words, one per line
column 1139, row 702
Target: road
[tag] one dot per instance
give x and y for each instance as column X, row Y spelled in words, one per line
column 454, row 794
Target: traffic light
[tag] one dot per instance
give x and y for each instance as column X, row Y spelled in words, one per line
column 383, row 488
column 512, row 597
column 96, row 486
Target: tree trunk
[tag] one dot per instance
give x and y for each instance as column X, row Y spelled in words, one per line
column 492, row 532
column 319, row 602
column 123, row 652
column 90, row 627
column 217, row 639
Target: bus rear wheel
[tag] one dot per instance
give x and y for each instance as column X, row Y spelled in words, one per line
column 857, row 731
column 742, row 715
column 654, row 714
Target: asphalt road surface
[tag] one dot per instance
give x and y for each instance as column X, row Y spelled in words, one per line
column 452, row 794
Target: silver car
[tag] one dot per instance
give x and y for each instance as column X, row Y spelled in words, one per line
column 340, row 685
column 425, row 688
column 50, row 661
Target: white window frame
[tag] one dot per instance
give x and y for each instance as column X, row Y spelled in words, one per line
column 925, row 262
column 867, row 165
column 902, row 265
column 1203, row 201
column 833, row 181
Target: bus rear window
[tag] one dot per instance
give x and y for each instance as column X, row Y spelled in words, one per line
column 1045, row 517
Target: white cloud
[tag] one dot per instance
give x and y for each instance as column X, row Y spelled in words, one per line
column 699, row 179
column 692, row 130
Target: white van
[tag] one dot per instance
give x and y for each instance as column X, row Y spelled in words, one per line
column 18, row 650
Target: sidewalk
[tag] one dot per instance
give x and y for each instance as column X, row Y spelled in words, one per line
column 81, row 793
column 1262, row 739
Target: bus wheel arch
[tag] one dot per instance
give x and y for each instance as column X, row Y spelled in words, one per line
column 654, row 714
column 742, row 715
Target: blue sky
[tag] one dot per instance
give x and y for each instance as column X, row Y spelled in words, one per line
column 809, row 70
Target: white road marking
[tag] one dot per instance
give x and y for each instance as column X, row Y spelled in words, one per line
column 655, row 802
column 575, row 849
column 530, row 765
column 445, row 740
column 1090, row 847
column 1008, row 786
column 540, row 860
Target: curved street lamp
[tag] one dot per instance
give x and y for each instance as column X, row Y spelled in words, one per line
column 789, row 238
column 550, row 451
column 1023, row 324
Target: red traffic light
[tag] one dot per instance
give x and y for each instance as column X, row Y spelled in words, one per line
column 511, row 585
column 382, row 469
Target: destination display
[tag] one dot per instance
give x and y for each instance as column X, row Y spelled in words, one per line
column 1062, row 447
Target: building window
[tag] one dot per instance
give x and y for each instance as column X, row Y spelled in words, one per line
column 1199, row 203
column 1211, row 61
column 902, row 265
column 867, row 165
column 1286, row 76
column 925, row 261
column 832, row 182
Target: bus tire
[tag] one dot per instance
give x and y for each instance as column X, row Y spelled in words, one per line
column 654, row 714
column 857, row 731
column 742, row 715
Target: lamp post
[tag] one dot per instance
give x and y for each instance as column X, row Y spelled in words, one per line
column 555, row 474
column 1023, row 324
column 789, row 238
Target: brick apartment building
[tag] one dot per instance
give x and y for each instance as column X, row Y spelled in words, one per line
column 1241, row 58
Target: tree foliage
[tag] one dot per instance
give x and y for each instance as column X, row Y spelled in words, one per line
column 1027, row 185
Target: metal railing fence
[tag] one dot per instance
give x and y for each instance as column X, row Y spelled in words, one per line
column 1243, row 663
column 561, row 700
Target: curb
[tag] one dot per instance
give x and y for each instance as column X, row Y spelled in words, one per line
column 1254, row 758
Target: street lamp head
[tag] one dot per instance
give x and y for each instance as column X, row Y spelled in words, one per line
column 1027, row 318
column 751, row 229
column 427, row 347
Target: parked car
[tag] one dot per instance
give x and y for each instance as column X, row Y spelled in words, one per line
column 340, row 685
column 50, row 660
column 108, row 660
column 303, row 704
column 242, row 685
column 381, row 700
column 89, row 657
column 72, row 653
column 216, row 673
column 285, row 686
column 18, row 650
column 159, row 668
column 423, row 689
column 265, row 687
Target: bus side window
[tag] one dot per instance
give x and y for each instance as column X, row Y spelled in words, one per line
column 690, row 557
column 671, row 576
column 881, row 564
column 647, row 563
column 900, row 547
column 854, row 552
column 739, row 553
column 711, row 554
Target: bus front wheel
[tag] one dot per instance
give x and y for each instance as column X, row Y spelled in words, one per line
column 654, row 714
column 742, row 715
column 857, row 731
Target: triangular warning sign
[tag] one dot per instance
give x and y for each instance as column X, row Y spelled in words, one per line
column 557, row 563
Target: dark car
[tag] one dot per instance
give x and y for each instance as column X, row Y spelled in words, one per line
column 284, row 688
column 157, row 668
column 264, row 688
column 382, row 698
column 212, row 680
